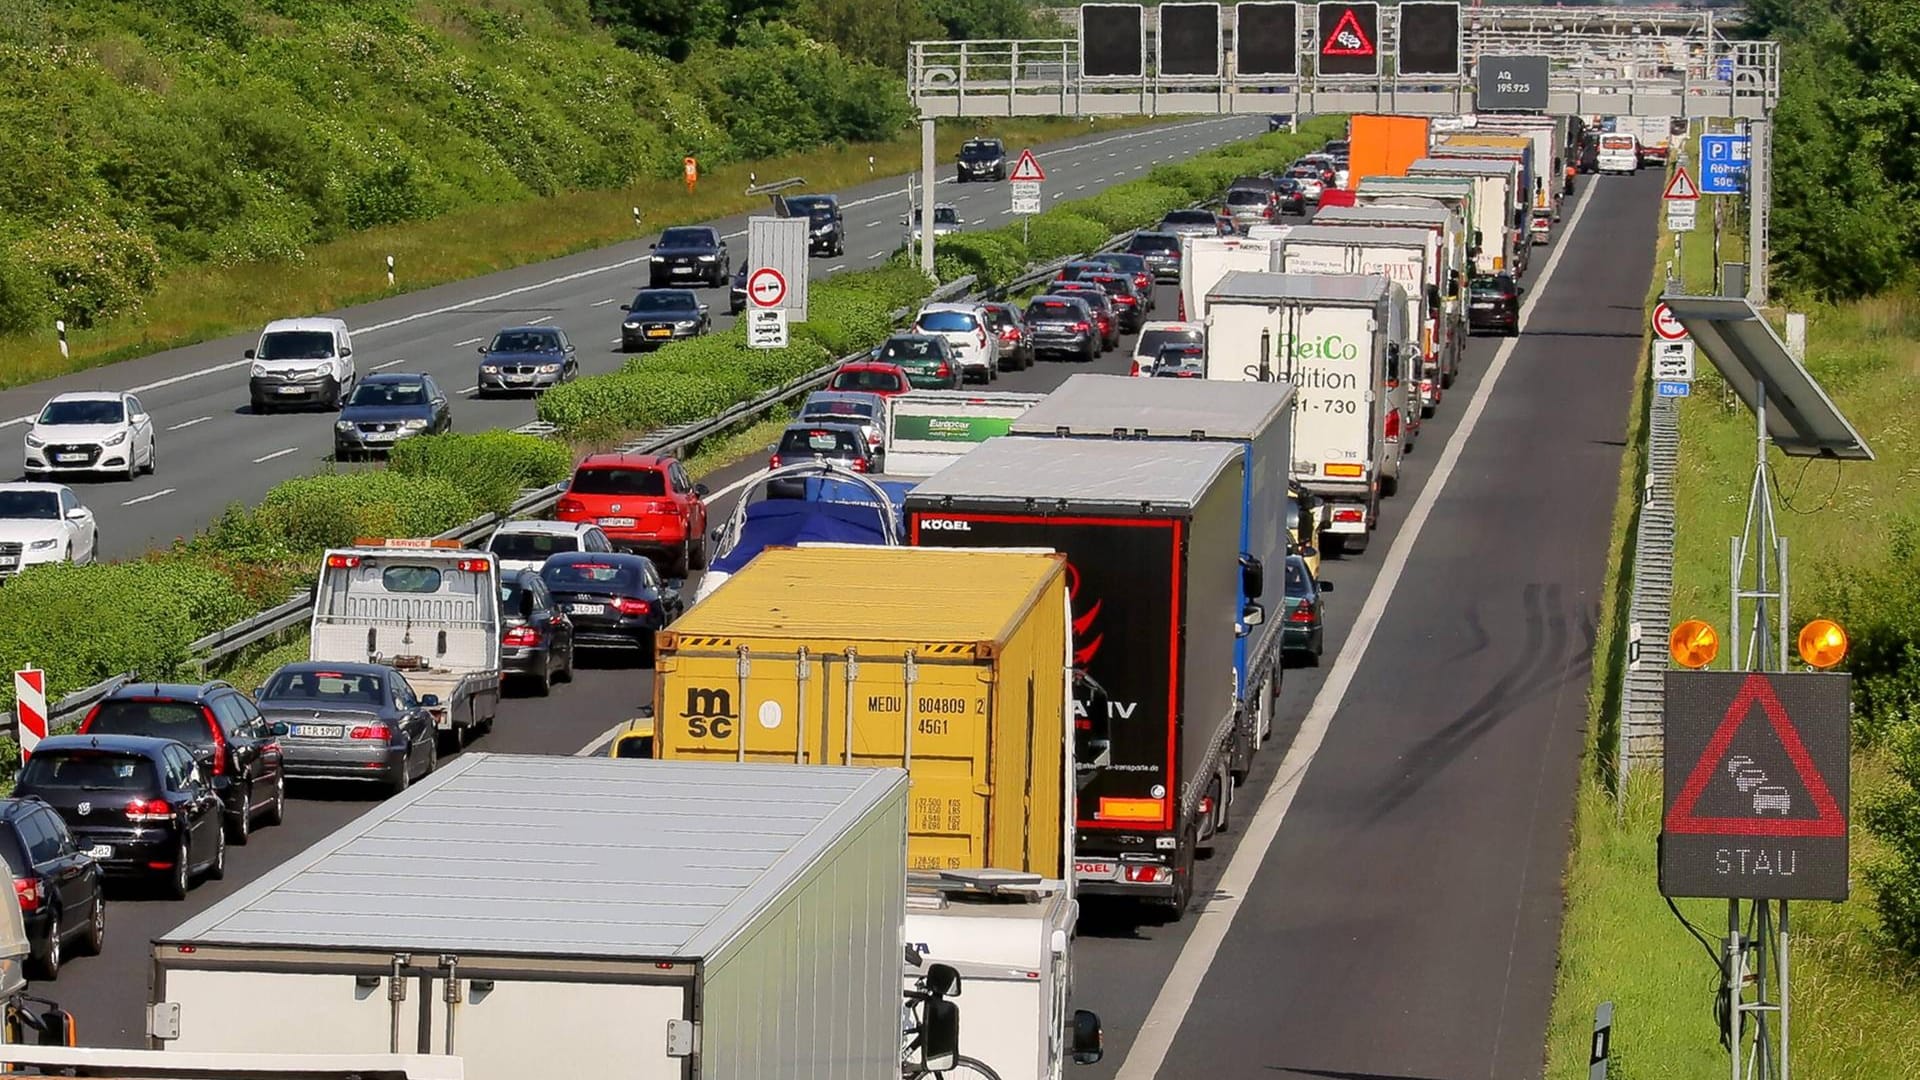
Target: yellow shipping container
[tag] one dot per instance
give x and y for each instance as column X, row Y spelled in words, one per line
column 951, row 662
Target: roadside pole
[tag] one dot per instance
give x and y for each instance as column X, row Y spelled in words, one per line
column 927, row 183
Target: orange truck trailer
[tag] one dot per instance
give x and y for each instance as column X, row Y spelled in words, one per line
column 1384, row 146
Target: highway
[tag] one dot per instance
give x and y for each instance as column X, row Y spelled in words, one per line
column 1389, row 910
column 213, row 451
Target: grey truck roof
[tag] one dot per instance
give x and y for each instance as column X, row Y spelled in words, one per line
column 1355, row 234
column 555, row 857
column 1385, row 215
column 1161, row 474
column 1476, row 166
column 1157, row 408
column 1327, row 288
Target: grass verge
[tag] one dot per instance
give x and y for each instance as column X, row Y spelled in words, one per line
column 204, row 302
column 1857, row 1004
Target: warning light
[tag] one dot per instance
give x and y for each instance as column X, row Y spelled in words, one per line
column 1693, row 644
column 1822, row 643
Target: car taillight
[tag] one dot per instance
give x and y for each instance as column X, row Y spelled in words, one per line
column 1143, row 282
column 944, row 369
column 773, row 462
column 1301, row 614
column 219, row 742
column 149, row 810
column 1393, row 426
column 859, row 464
column 1125, row 299
column 342, row 562
column 1009, row 333
column 570, row 506
column 1081, row 326
column 371, row 732
column 28, row 891
column 629, row 606
column 520, row 636
column 981, row 338
column 1136, row 369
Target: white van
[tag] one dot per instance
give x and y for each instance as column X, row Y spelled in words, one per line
column 301, row 362
column 1619, row 153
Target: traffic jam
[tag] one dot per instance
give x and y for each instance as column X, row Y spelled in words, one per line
column 1037, row 639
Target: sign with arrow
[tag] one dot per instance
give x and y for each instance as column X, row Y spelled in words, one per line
column 1681, row 186
column 1756, row 785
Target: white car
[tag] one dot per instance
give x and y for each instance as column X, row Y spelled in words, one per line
column 946, row 221
column 1155, row 336
column 91, row 432
column 526, row 545
column 975, row 345
column 44, row 523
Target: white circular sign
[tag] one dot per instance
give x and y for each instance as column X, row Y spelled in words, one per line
column 1666, row 324
column 766, row 287
column 769, row 714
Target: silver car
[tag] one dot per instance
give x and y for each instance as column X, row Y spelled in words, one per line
column 526, row 358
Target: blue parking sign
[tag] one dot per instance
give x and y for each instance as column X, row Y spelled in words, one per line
column 1723, row 69
column 1723, row 164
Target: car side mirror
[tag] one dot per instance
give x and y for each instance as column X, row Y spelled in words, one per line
column 626, row 307
column 1325, row 586
column 702, row 490
column 248, row 354
column 571, row 346
column 259, row 692
column 346, row 352
column 278, row 730
column 430, row 700
column 703, row 309
column 943, row 980
column 1088, row 1046
column 650, row 247
column 481, row 349
column 78, row 513
column 771, row 447
column 1519, row 290
column 1253, row 576
column 1252, row 616
column 203, row 754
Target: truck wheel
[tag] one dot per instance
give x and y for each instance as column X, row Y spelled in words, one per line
column 1389, row 485
column 1183, row 873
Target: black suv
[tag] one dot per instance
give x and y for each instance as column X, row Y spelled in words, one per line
column 1493, row 303
column 238, row 750
column 982, row 159
column 141, row 807
column 689, row 255
column 57, row 883
column 826, row 232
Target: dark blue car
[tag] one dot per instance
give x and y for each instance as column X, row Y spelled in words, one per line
column 387, row 408
column 523, row 358
column 612, row 599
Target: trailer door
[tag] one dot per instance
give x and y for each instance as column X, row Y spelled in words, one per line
column 221, row 1011
column 578, row 1030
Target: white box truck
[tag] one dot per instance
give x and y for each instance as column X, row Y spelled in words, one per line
column 1443, row 227
column 1549, row 136
column 1333, row 337
column 1204, row 260
column 1405, row 256
column 927, row 429
column 1492, row 232
column 426, row 608
column 581, row 917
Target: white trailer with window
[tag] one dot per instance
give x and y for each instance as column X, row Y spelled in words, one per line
column 585, row 918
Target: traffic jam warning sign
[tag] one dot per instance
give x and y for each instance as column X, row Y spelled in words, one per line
column 1756, row 785
column 1027, row 169
column 1681, row 186
column 1347, row 39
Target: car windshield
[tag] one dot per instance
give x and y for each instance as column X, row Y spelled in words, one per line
column 1052, row 309
column 83, row 412
column 1121, row 260
column 819, row 441
column 590, row 577
column 1247, row 197
column 1189, row 217
column 687, row 238
column 946, row 215
column 296, row 345
column 177, row 720
column 88, row 770
column 846, row 412
column 945, row 321
column 1153, row 341
column 999, row 317
column 347, row 690
column 866, row 379
column 1492, row 286
column 523, row 341
column 534, row 546
column 981, row 150
column 29, row 506
column 1296, row 579
column 1156, row 243
column 910, row 349
column 663, row 301
column 603, row 481
column 810, row 206
column 1112, row 283
column 1179, row 354
column 389, row 394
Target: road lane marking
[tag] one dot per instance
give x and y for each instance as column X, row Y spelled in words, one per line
column 876, row 255
column 470, row 389
column 189, row 423
column 276, row 453
column 872, row 224
column 603, row 739
column 148, row 498
column 534, row 322
column 604, row 303
column 836, row 268
column 1148, row 1054
column 402, row 360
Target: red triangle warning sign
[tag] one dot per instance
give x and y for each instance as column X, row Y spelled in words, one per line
column 1681, row 186
column 1028, row 169
column 1347, row 38
column 1756, row 695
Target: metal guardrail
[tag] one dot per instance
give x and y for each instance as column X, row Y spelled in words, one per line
column 1643, row 698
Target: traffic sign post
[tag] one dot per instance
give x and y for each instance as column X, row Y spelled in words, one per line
column 1667, row 325
column 1027, row 169
column 1673, row 361
column 776, row 261
column 767, row 328
column 1681, row 188
column 1723, row 163
column 29, row 709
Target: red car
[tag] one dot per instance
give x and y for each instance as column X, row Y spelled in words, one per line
column 645, row 503
column 871, row 377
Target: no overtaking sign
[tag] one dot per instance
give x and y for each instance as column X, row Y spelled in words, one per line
column 766, row 288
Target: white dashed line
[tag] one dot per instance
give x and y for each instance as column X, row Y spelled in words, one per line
column 877, row 255
column 535, row 322
column 189, row 423
column 604, row 303
column 276, row 453
column 148, row 498
column 1079, row 187
column 402, row 360
column 836, row 268
column 470, row 389
column 469, row 341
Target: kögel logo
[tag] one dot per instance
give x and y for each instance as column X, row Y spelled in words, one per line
column 949, row 526
column 709, row 713
column 1330, row 347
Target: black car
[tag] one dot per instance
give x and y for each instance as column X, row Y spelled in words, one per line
column 826, row 232
column 387, row 408
column 1293, row 197
column 1106, row 312
column 658, row 316
column 1161, row 251
column 1062, row 324
column 1016, row 345
column 1277, row 121
column 351, row 722
column 1493, row 303
column 141, row 807
column 1128, row 304
column 1337, row 148
column 1127, row 262
column 536, row 645
column 56, row 883
column 688, row 255
column 982, row 159
column 737, row 288
column 615, row 600
column 238, row 749
column 1303, row 636
column 816, row 441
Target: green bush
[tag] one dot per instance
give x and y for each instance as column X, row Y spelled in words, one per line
column 1892, row 814
column 308, row 513
column 995, row 257
column 1130, row 205
column 492, row 467
column 86, row 623
column 1059, row 233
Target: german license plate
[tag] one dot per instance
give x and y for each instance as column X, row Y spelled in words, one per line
column 683, row 269
column 9, row 563
column 69, row 457
column 101, row 851
column 617, row 523
column 379, row 436
column 519, row 378
column 587, row 609
column 659, row 331
column 1096, row 871
column 291, row 390
column 318, row 731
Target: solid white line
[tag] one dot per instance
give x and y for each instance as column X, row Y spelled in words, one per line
column 601, row 740
column 1079, row 187
column 469, row 341
column 1150, row 1048
column 277, row 453
column 402, row 360
column 604, row 303
column 189, row 423
column 148, row 498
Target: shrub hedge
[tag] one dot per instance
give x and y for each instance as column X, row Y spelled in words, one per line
column 85, row 623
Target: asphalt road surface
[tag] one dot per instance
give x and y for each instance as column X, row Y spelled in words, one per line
column 1386, row 903
column 215, row 451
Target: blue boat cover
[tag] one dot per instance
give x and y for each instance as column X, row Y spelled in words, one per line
column 779, row 522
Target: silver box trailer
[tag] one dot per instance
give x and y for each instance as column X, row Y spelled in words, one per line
column 580, row 917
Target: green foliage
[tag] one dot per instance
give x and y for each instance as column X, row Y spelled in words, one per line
column 228, row 131
column 492, row 467
column 1061, row 232
column 1893, row 815
column 302, row 516
column 86, row 623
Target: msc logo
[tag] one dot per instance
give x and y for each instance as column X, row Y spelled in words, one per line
column 949, row 526
column 709, row 713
